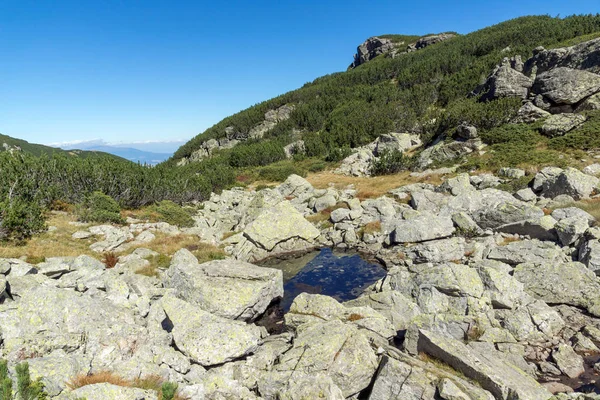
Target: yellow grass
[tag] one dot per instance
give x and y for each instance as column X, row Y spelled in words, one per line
column 371, row 187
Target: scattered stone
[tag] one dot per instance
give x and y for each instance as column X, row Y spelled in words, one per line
column 569, row 362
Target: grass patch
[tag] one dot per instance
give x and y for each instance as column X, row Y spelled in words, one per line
column 110, row 259
column 170, row 212
column 355, row 317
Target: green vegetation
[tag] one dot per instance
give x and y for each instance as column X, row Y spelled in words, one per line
column 98, row 207
column 26, row 388
column 390, row 162
column 171, row 213
column 352, row 108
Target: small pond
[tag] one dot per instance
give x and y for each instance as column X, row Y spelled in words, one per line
column 343, row 276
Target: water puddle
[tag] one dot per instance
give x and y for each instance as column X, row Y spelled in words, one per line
column 343, row 276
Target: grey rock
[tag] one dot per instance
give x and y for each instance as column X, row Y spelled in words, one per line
column 396, row 380
column 569, row 362
column 396, row 307
column 333, row 348
column 423, row 227
column 580, row 56
column 324, row 202
column 592, row 169
column 569, row 212
column 227, row 288
column 437, row 251
column 542, row 228
column 503, row 380
column 311, row 387
column 449, row 391
column 506, row 82
column 294, row 148
column 566, row 85
column 395, row 142
column 466, row 131
column 527, row 251
column 513, row 173
column 554, row 182
column 529, row 113
column 571, row 229
column 526, row 195
column 432, row 39
column 208, row 339
column 459, row 184
column 560, row 124
column 103, row 391
column 561, row 283
column 509, row 212
column 370, row 49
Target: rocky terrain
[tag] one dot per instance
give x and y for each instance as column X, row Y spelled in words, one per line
column 488, row 295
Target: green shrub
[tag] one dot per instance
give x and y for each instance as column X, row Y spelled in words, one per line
column 98, row 207
column 390, row 162
column 19, row 220
column 172, row 213
column 169, row 390
column 279, row 172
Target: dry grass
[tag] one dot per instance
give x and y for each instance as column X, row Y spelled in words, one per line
column 355, row 317
column 591, row 206
column 99, row 377
column 368, row 188
column 227, row 235
column 58, row 243
column 150, row 382
column 372, row 227
column 509, row 239
column 110, row 259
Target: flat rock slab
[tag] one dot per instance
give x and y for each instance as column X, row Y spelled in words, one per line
column 228, row 288
column 206, row 338
column 503, row 380
column 278, row 224
column 421, row 228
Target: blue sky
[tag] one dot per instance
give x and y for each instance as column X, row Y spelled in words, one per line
column 136, row 71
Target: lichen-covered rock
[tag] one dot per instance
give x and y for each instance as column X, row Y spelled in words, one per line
column 561, row 283
column 542, row 228
column 227, row 288
column 335, row 349
column 589, row 254
column 208, row 339
column 566, row 85
column 570, row 230
column 437, row 251
column 396, row 380
column 503, row 380
column 553, row 182
column 560, row 124
column 529, row 113
column 527, row 251
column 506, row 82
column 317, row 386
column 423, row 227
column 569, row 362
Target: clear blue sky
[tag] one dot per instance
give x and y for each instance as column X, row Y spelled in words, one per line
column 137, row 70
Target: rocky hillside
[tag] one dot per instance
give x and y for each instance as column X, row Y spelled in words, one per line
column 422, row 86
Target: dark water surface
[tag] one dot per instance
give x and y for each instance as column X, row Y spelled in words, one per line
column 343, row 276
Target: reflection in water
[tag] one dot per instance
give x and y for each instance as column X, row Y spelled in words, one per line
column 342, row 276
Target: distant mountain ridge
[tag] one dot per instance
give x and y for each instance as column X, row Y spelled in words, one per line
column 132, row 154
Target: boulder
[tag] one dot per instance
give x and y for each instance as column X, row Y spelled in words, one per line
column 512, row 173
column 335, row 349
column 432, row 39
column 437, row 251
column 508, row 213
column 566, row 85
column 228, row 288
column 527, row 251
column 582, row 56
column 466, row 131
column 560, row 124
column 395, row 142
column 569, row 212
column 296, row 186
column 395, row 306
column 396, row 380
column 451, row 279
column 314, row 386
column 569, row 362
column 533, row 322
column 569, row 230
column 504, row 290
column 206, row 338
column 371, row 48
column 592, row 169
column 502, row 379
column 526, row 195
column 553, row 182
column 279, row 224
column 542, row 228
column 529, row 113
column 506, row 82
column 561, row 283
column 423, row 227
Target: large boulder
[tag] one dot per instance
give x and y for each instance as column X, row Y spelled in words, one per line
column 423, row 227
column 560, row 124
column 335, row 349
column 527, row 251
column 371, row 48
column 396, row 380
column 206, row 338
column 553, row 182
column 583, row 56
column 529, row 113
column 561, row 283
column 589, row 254
column 506, row 82
column 395, row 142
column 279, row 224
column 227, row 288
column 566, row 86
column 504, row 380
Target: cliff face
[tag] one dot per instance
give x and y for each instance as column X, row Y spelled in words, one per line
column 375, row 46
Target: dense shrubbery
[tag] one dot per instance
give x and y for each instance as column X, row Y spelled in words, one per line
column 98, row 207
column 353, row 107
column 390, row 162
column 19, row 219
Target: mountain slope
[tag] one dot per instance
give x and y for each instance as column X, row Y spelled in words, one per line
column 402, row 94
column 8, row 143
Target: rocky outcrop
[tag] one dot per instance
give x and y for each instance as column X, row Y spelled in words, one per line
column 505, row 81
column 429, row 40
column 583, row 56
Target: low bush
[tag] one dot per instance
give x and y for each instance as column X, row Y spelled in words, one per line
column 98, row 207
column 172, row 213
column 278, row 172
column 390, row 162
column 19, row 219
